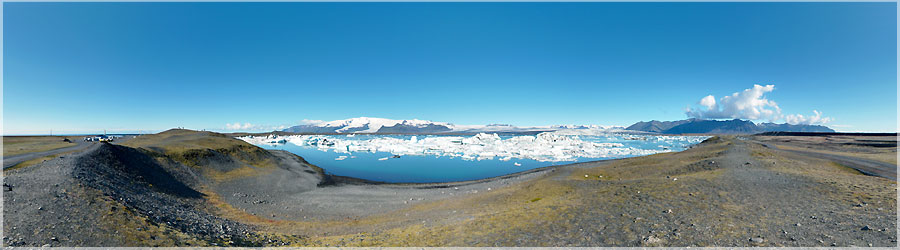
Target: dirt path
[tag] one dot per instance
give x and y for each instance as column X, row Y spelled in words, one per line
column 866, row 166
column 9, row 161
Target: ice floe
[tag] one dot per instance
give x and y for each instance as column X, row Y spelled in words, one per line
column 548, row 146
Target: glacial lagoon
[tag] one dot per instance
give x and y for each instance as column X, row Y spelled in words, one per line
column 444, row 158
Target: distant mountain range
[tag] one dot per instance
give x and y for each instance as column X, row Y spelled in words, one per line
column 736, row 126
column 371, row 125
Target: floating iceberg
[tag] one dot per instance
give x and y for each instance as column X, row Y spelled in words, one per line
column 547, row 146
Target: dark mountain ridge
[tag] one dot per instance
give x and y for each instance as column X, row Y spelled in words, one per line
column 736, row 126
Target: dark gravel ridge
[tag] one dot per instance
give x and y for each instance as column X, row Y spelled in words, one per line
column 78, row 199
column 143, row 185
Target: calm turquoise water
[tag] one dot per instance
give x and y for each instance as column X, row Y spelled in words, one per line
column 430, row 168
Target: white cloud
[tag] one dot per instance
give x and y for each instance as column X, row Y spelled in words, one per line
column 709, row 102
column 238, row 126
column 814, row 119
column 750, row 104
column 251, row 127
column 310, row 122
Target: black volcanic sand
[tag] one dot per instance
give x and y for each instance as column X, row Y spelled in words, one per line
column 725, row 192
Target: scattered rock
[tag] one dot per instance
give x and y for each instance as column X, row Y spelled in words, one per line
column 798, row 224
column 652, row 239
column 757, row 240
column 669, row 211
column 7, row 187
column 866, row 228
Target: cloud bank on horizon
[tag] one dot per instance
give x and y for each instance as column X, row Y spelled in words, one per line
column 251, row 127
column 750, row 104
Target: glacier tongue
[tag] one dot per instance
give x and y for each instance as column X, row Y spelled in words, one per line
column 548, row 146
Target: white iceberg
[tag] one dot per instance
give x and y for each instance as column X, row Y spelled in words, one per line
column 547, row 146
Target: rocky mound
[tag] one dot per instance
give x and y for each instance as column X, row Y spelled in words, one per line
column 156, row 193
column 145, row 186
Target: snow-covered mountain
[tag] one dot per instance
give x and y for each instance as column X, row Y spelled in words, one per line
column 371, row 125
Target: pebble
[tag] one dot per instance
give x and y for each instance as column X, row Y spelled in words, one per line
column 652, row 239
column 798, row 224
column 756, row 240
column 866, row 228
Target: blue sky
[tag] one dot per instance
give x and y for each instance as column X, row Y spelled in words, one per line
column 85, row 67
